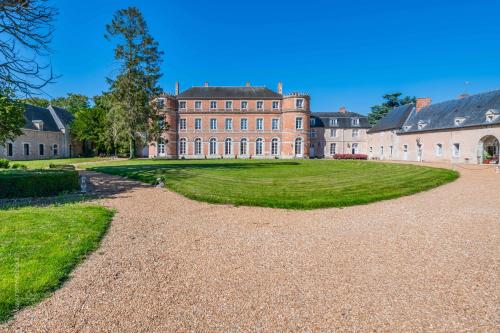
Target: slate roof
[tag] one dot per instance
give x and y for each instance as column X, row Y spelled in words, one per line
column 322, row 119
column 32, row 113
column 472, row 110
column 394, row 120
column 229, row 93
column 65, row 116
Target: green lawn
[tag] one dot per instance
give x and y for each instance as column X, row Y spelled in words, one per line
column 42, row 164
column 39, row 246
column 295, row 184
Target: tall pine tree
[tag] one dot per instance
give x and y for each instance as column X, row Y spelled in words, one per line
column 137, row 82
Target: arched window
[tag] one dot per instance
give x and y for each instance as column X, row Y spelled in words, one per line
column 275, row 146
column 55, row 150
column 161, row 147
column 228, row 145
column 182, row 146
column 243, row 146
column 213, row 146
column 197, row 146
column 258, row 146
column 298, row 146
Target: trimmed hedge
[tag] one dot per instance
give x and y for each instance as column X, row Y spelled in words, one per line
column 350, row 156
column 37, row 183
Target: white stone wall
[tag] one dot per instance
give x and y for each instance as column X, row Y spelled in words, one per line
column 343, row 140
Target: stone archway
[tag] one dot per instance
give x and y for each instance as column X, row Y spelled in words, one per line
column 488, row 149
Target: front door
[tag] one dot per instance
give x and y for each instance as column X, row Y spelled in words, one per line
column 311, row 150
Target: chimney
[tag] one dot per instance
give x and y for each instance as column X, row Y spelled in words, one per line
column 206, row 84
column 280, row 88
column 422, row 103
column 247, row 84
column 176, row 88
column 342, row 109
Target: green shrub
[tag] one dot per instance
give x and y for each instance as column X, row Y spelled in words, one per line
column 19, row 166
column 61, row 166
column 37, row 183
column 4, row 164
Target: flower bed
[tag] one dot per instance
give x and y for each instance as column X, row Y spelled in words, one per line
column 350, row 157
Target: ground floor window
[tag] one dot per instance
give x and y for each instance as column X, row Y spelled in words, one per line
column 161, row 147
column 213, row 146
column 182, row 146
column 456, row 150
column 298, row 146
column 228, row 144
column 197, row 146
column 275, row 147
column 10, row 149
column 381, row 151
column 41, row 149
column 55, row 150
column 390, row 151
column 333, row 148
column 439, row 149
column 26, row 149
column 354, row 148
column 258, row 146
column 243, row 147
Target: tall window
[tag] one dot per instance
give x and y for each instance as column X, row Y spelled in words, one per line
column 213, row 123
column 276, row 105
column 299, row 103
column 274, row 147
column 333, row 148
column 244, row 124
column 243, row 146
column 355, row 133
column 213, row 146
column 197, row 146
column 298, row 146
column 197, row 105
column 355, row 121
column 160, row 103
column 244, row 105
column 229, row 124
column 313, row 133
column 182, row 146
column 391, row 150
column 41, row 149
column 275, row 124
column 260, row 124
column 26, row 149
column 260, row 105
column 161, row 147
column 10, row 149
column 182, row 124
column 55, row 150
column 258, row 146
column 228, row 145
column 197, row 124
column 354, row 149
column 182, row 104
column 439, row 149
column 456, row 150
column 381, row 150
column 229, row 105
column 213, row 104
column 334, row 122
column 298, row 123
column 333, row 132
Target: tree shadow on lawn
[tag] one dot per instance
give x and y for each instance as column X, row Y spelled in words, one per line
column 148, row 173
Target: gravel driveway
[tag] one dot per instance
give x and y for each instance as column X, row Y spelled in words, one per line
column 427, row 262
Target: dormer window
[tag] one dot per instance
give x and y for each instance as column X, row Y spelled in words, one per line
column 311, row 122
column 38, row 124
column 355, row 121
column 407, row 128
column 334, row 122
column 492, row 115
column 459, row 121
column 421, row 124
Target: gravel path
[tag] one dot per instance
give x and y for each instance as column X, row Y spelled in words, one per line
column 427, row 262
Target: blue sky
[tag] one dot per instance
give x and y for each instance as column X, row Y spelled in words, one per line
column 340, row 52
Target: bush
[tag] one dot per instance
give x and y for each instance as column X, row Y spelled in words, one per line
column 37, row 183
column 62, row 166
column 4, row 164
column 350, row 157
column 19, row 166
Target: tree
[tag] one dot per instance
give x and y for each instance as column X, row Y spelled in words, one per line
column 92, row 125
column 137, row 83
column 73, row 102
column 392, row 101
column 26, row 31
column 11, row 116
column 37, row 101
